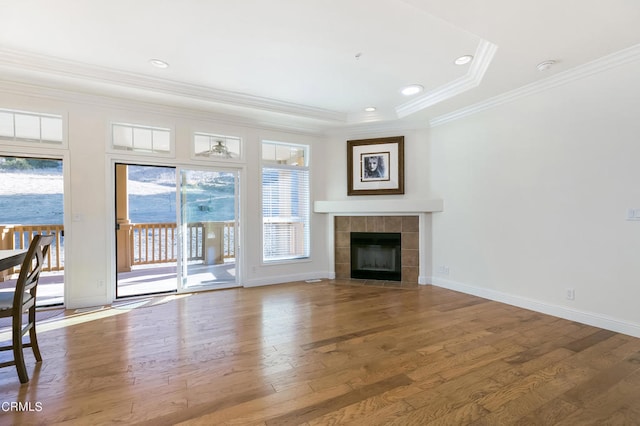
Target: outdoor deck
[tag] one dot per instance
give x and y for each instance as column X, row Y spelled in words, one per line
column 143, row 280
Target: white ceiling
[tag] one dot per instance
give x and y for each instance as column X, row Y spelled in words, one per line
column 313, row 64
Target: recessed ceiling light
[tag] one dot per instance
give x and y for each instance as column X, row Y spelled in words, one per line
column 370, row 109
column 412, row 89
column 463, row 60
column 543, row 66
column 158, row 63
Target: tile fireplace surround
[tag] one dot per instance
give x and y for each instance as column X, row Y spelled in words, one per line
column 408, row 226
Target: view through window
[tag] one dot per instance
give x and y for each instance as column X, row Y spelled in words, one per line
column 31, row 202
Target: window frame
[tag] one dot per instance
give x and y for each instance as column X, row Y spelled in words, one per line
column 216, row 159
column 119, row 149
column 36, row 142
column 264, row 164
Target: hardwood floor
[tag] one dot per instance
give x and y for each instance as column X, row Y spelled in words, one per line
column 325, row 353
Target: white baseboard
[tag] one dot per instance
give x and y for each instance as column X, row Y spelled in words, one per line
column 584, row 317
column 86, row 302
column 281, row 279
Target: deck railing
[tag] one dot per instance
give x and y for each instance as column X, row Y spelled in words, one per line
column 158, row 243
column 14, row 237
column 150, row 242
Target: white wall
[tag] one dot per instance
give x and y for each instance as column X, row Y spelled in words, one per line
column 417, row 185
column 89, row 238
column 416, row 172
column 536, row 193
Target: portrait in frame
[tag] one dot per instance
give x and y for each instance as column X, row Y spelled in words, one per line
column 375, row 166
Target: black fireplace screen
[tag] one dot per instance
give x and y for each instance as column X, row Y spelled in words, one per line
column 376, row 255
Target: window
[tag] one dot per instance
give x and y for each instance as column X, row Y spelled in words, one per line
column 218, row 147
column 285, row 202
column 132, row 137
column 30, row 126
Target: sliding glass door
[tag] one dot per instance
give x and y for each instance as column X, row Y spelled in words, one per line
column 209, row 228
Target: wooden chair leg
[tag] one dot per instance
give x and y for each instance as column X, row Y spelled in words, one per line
column 18, row 354
column 34, row 343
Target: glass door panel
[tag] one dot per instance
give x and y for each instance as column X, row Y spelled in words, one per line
column 146, row 237
column 209, row 228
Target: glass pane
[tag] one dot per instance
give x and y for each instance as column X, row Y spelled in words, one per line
column 146, row 233
column 122, row 136
column 6, row 124
column 201, row 144
column 233, row 145
column 27, row 126
column 216, row 147
column 209, row 228
column 142, row 139
column 285, row 210
column 51, row 129
column 268, row 152
column 284, row 154
column 161, row 140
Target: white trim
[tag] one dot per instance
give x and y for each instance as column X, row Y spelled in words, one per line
column 369, row 129
column 101, row 75
column 375, row 207
column 281, row 279
column 40, row 91
column 584, row 317
column 483, row 57
column 86, row 302
column 599, row 65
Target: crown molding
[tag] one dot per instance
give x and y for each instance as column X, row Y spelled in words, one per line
column 375, row 128
column 482, row 59
column 102, row 101
column 49, row 66
column 604, row 63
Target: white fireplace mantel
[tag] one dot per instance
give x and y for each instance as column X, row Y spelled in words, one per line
column 378, row 206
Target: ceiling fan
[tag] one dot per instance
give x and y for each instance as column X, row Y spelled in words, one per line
column 219, row 149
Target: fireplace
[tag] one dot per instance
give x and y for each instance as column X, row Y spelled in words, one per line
column 376, row 255
column 408, row 228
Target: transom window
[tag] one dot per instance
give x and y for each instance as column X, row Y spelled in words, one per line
column 219, row 147
column 132, row 137
column 30, row 126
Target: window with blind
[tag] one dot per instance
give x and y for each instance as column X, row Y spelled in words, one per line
column 285, row 202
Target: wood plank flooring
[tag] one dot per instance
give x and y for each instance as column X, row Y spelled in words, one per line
column 321, row 354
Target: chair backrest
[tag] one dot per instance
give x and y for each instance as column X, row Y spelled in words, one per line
column 30, row 272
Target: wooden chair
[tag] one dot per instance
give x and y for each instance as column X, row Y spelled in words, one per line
column 23, row 300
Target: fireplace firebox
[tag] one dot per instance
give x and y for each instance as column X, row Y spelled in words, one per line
column 376, row 255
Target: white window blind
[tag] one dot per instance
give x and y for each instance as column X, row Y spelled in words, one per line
column 285, row 209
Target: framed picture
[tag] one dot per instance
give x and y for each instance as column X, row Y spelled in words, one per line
column 375, row 166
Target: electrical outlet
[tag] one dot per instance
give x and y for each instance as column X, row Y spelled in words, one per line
column 100, row 283
column 571, row 294
column 444, row 270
